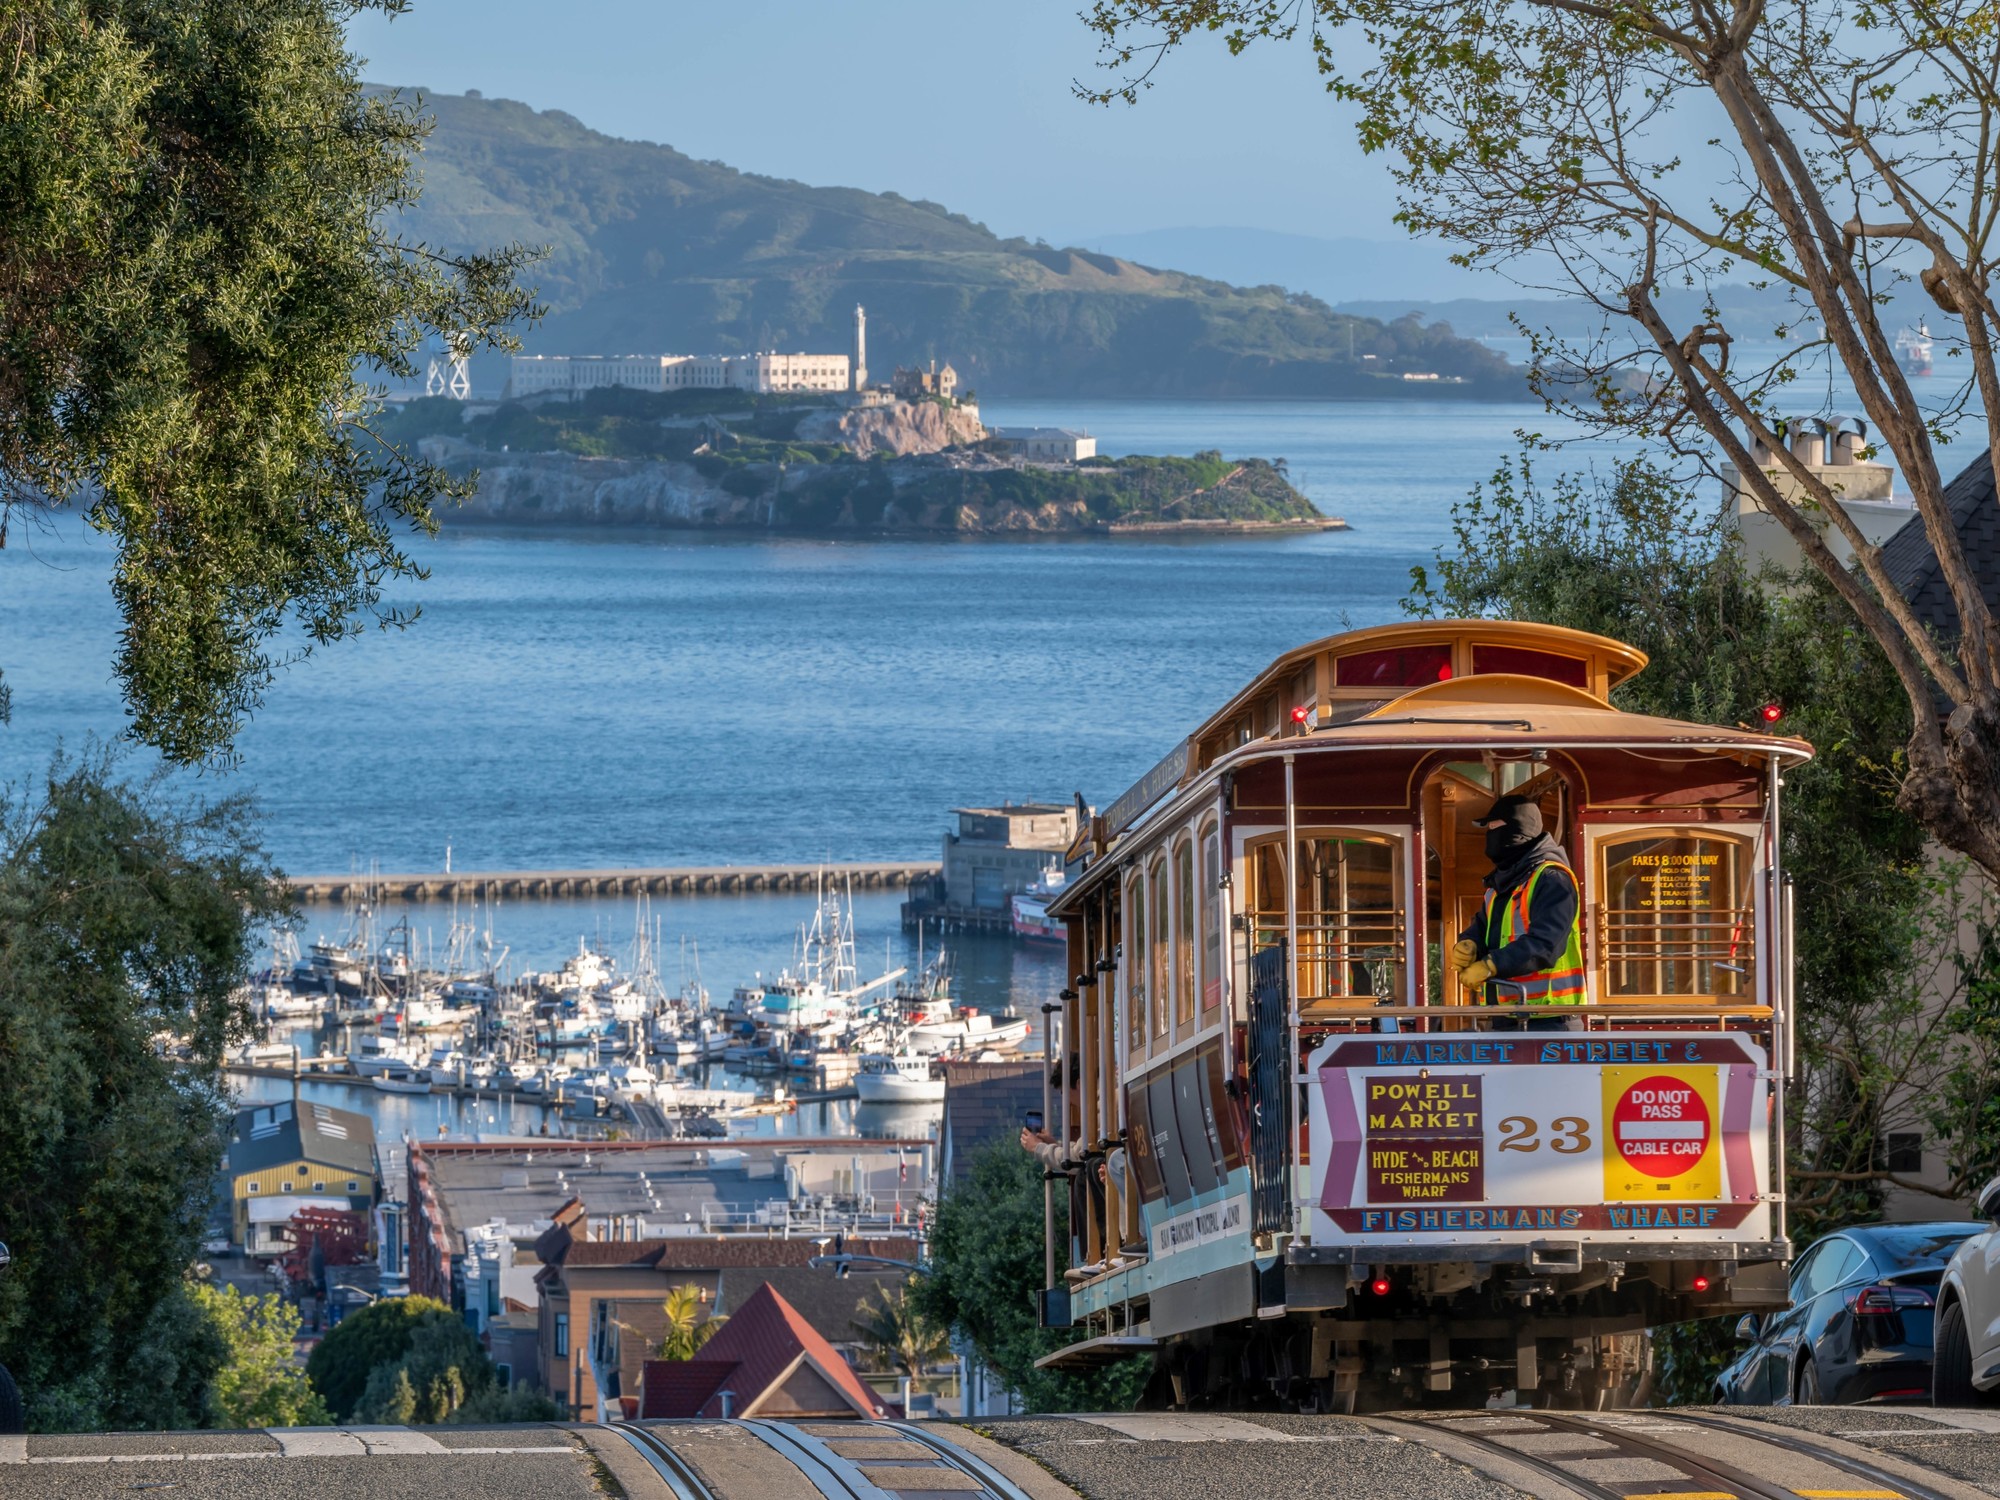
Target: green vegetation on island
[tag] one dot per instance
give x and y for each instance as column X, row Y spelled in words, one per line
column 718, row 459
column 650, row 249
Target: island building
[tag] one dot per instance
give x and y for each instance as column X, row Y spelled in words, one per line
column 917, row 385
column 1051, row 444
column 762, row 374
column 1838, row 455
column 292, row 1155
column 558, row 1254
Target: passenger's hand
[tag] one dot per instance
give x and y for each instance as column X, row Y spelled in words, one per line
column 1033, row 1138
column 1463, row 952
column 1474, row 976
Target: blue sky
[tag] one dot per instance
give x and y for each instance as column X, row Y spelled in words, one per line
column 969, row 105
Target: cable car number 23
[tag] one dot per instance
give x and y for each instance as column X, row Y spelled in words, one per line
column 1569, row 1134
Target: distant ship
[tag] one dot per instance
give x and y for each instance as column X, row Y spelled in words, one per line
column 1031, row 911
column 1913, row 349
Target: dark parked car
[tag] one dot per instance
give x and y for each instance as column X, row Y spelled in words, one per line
column 1859, row 1327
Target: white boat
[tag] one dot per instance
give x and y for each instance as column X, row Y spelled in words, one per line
column 970, row 1031
column 373, row 1054
column 397, row 1077
column 427, row 1013
column 630, row 1081
column 897, row 1078
column 1029, row 910
column 1913, row 349
column 262, row 1054
column 281, row 1002
column 546, row 1080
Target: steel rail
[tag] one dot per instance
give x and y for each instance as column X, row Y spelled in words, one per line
column 675, row 1471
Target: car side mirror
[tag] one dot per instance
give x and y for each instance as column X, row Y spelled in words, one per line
column 1989, row 1202
column 1746, row 1329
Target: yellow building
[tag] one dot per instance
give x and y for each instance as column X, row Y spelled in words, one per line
column 290, row 1156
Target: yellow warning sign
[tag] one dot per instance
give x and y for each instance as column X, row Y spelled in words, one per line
column 1662, row 1128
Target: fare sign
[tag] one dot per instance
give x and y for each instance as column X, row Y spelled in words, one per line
column 1661, row 1133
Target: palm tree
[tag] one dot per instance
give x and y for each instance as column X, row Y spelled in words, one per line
column 902, row 1337
column 687, row 1326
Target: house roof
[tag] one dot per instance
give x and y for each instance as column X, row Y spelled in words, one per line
column 984, row 1102
column 757, row 1348
column 1912, row 564
column 271, row 1134
column 832, row 1304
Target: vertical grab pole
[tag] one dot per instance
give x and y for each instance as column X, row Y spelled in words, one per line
column 1048, row 1184
column 1226, row 916
column 1293, row 1113
column 1782, row 1035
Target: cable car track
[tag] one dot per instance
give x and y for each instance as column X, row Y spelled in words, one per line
column 835, row 1477
column 1640, row 1436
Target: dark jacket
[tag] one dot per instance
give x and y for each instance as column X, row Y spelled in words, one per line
column 1551, row 914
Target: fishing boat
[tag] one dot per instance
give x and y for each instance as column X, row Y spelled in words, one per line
column 903, row 1077
column 374, row 1054
column 969, row 1031
column 1029, row 910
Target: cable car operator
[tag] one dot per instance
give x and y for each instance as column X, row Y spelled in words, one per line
column 1525, row 946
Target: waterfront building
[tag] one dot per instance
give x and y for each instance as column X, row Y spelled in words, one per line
column 537, row 1243
column 1050, row 444
column 294, row 1155
column 997, row 851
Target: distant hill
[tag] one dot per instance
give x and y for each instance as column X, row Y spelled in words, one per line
column 651, row 250
column 1335, row 270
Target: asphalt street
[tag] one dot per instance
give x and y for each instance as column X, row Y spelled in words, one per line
column 1740, row 1454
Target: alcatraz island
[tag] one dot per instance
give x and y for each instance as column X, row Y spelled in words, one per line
column 804, row 442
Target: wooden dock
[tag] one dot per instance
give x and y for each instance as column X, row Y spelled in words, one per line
column 693, row 880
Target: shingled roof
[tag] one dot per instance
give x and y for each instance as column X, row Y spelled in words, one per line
column 763, row 1346
column 1912, row 563
column 270, row 1135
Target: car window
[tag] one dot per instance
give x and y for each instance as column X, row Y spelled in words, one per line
column 1805, row 1268
column 1918, row 1245
column 1835, row 1262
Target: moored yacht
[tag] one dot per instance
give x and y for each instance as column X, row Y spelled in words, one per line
column 902, row 1077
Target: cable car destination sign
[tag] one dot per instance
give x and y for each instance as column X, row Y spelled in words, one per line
column 1508, row 1137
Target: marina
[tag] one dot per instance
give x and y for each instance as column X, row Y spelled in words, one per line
column 487, row 885
column 431, row 1037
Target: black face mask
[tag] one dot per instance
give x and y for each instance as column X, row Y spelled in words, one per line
column 1500, row 842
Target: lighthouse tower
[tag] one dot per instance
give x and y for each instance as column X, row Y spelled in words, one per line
column 860, row 348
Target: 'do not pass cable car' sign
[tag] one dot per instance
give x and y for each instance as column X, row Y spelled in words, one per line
column 1507, row 1137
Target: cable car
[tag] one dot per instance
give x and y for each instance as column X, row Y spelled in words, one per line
column 1308, row 1164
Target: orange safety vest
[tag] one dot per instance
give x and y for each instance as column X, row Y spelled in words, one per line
column 1562, row 982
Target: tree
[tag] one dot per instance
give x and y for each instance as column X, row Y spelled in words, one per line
column 378, row 1334
column 687, row 1325
column 901, row 1334
column 986, row 1269
column 1857, row 154
column 200, row 275
column 258, row 1384
column 126, row 913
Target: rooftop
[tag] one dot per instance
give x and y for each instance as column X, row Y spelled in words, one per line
column 1023, row 434
column 271, row 1134
column 1912, row 564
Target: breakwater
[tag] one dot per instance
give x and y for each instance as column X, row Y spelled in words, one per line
column 687, row 880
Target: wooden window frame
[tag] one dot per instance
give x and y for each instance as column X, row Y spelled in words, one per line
column 1752, row 849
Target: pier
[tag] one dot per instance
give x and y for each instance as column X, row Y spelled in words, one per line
column 689, row 880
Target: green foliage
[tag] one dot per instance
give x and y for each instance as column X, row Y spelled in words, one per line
column 198, row 277
column 123, row 913
column 986, row 1270
column 652, row 249
column 410, row 1359
column 378, row 1334
column 1688, row 1357
column 514, row 1403
column 687, row 1325
column 900, row 1334
column 257, row 1384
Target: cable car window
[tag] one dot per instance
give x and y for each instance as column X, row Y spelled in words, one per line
column 1677, row 915
column 1350, row 915
column 1135, row 967
column 1398, row 666
column 1211, row 929
column 1184, row 924
column 1519, row 659
column 1161, row 979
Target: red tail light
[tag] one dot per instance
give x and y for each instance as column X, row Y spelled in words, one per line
column 1379, row 1286
column 1885, row 1299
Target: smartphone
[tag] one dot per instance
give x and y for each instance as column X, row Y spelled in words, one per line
column 1032, row 1119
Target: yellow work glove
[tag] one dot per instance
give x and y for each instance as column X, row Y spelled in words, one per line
column 1463, row 952
column 1474, row 976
